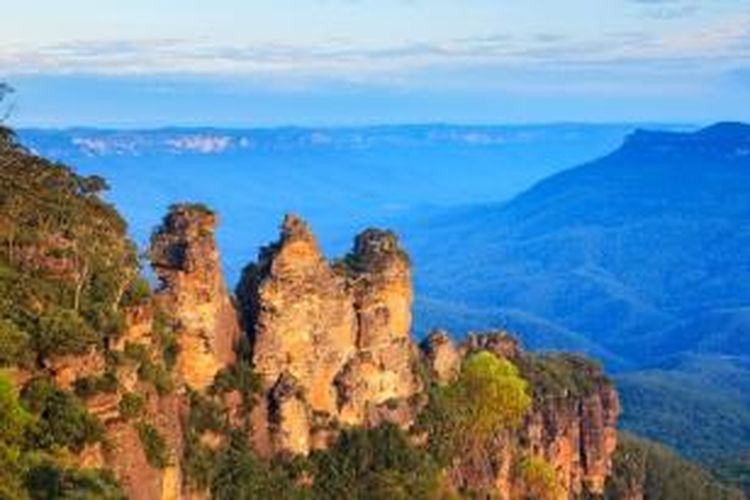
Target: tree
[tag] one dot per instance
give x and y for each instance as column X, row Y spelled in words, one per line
column 488, row 397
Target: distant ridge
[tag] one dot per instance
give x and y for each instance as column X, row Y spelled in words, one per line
column 641, row 256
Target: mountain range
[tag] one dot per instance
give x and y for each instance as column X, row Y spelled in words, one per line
column 639, row 257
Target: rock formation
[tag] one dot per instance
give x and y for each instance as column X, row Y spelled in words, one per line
column 443, row 358
column 572, row 423
column 329, row 342
column 193, row 293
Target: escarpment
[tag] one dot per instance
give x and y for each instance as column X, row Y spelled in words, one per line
column 334, row 337
column 186, row 260
column 181, row 393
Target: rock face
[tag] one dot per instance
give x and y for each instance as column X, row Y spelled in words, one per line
column 193, row 293
column 577, row 434
column 442, row 356
column 572, row 423
column 340, row 333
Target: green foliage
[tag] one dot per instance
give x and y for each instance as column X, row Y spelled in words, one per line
column 734, row 471
column 131, row 405
column 560, row 374
column 62, row 419
column 14, row 344
column 137, row 293
column 62, row 331
column 96, row 384
column 48, row 480
column 150, row 372
column 65, row 260
column 238, row 377
column 199, row 463
column 154, row 445
column 538, row 479
column 167, row 338
column 15, row 419
column 205, row 414
column 375, row 463
column 240, row 475
column 489, row 396
column 156, row 375
column 639, row 463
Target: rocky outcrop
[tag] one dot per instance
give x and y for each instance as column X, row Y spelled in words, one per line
column 193, row 293
column 378, row 273
column 340, row 332
column 577, row 434
column 443, row 358
column 572, row 424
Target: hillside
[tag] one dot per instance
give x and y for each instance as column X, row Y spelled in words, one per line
column 639, row 257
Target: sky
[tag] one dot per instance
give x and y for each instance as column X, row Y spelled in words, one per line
column 149, row 63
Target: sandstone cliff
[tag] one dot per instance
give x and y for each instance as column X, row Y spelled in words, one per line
column 193, row 293
column 330, row 343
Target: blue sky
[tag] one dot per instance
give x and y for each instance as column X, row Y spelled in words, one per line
column 234, row 62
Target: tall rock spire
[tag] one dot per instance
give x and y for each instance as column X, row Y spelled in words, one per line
column 193, row 293
column 341, row 333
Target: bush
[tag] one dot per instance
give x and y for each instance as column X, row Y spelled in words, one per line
column 137, row 293
column 156, row 375
column 62, row 331
column 86, row 387
column 238, row 377
column 154, row 445
column 131, row 405
column 375, row 463
column 62, row 419
column 50, row 481
column 14, row 344
column 240, row 475
column 15, row 419
column 205, row 415
column 537, row 479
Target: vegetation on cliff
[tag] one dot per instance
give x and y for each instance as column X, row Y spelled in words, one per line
column 645, row 469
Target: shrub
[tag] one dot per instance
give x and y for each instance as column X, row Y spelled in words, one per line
column 205, row 415
column 137, row 293
column 157, row 375
column 49, row 480
column 15, row 419
column 96, row 384
column 62, row 419
column 374, row 463
column 14, row 344
column 154, row 445
column 239, row 474
column 238, row 377
column 489, row 396
column 131, row 405
column 537, row 479
column 62, row 331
